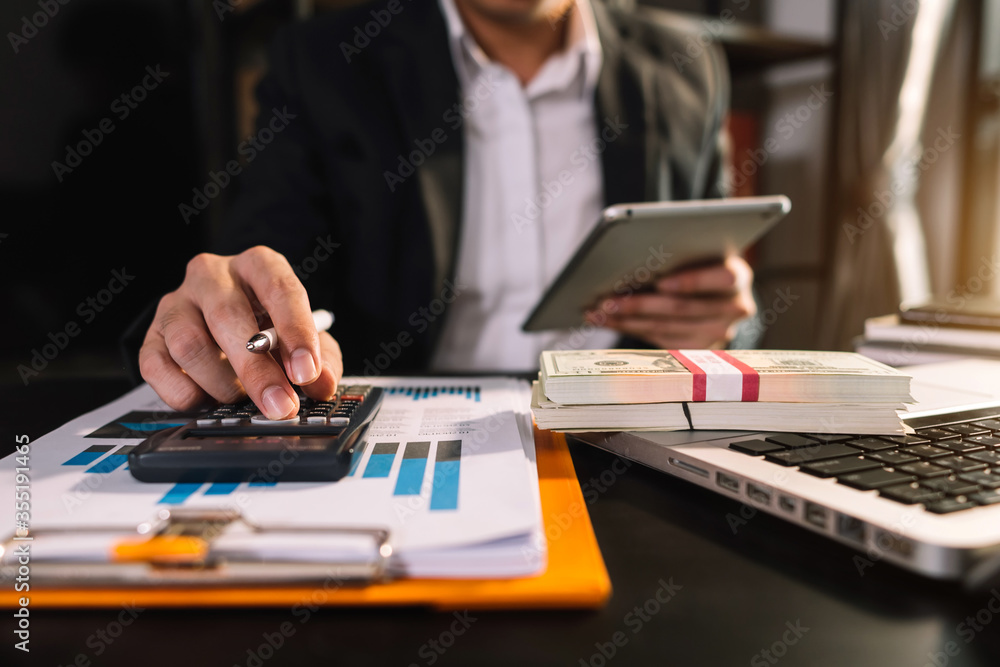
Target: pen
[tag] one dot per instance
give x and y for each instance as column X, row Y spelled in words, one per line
column 265, row 340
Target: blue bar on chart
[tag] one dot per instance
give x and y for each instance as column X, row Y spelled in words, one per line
column 89, row 455
column 411, row 469
column 259, row 482
column 179, row 492
column 221, row 488
column 427, row 393
column 359, row 452
column 380, row 462
column 112, row 461
column 447, row 465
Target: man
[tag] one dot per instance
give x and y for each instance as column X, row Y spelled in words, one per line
column 409, row 166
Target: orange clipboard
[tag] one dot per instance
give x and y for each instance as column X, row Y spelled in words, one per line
column 575, row 577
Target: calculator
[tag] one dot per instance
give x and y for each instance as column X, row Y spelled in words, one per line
column 235, row 442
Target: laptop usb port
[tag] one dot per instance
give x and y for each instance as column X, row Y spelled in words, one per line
column 788, row 504
column 816, row 515
column 759, row 494
column 851, row 528
column 727, row 482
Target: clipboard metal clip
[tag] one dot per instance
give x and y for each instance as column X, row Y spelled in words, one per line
column 208, row 547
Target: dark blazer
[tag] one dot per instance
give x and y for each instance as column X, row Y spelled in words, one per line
column 361, row 114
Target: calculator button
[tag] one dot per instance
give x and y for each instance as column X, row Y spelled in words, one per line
column 261, row 419
column 207, row 421
column 339, row 421
column 233, row 421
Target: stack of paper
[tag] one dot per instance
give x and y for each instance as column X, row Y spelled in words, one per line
column 447, row 468
column 775, row 390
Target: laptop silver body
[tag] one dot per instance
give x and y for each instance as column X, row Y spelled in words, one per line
column 956, row 545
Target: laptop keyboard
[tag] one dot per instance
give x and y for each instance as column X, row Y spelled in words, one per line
column 947, row 468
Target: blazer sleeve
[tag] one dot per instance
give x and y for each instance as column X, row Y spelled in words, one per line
column 284, row 201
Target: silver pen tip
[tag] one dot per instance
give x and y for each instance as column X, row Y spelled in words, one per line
column 258, row 343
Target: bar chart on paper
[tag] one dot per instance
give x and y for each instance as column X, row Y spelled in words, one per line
column 406, row 468
column 446, row 462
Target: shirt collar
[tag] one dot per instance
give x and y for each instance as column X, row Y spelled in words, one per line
column 581, row 38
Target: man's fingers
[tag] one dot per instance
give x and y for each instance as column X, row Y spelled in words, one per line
column 725, row 277
column 666, row 305
column 674, row 333
column 331, row 369
column 231, row 320
column 166, row 378
column 192, row 348
column 281, row 293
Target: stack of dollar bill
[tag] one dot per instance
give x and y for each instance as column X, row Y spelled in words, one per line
column 761, row 390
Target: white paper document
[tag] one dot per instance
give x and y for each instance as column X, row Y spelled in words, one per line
column 447, row 468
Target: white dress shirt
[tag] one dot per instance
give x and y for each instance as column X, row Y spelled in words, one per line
column 533, row 190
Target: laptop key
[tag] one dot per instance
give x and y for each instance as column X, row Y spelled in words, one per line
column 966, row 429
column 794, row 457
column 960, row 463
column 874, row 479
column 951, row 486
column 960, row 446
column 988, row 457
column 790, row 440
column 991, row 424
column 924, row 470
column 987, row 480
column 829, row 437
column 836, row 467
column 910, row 494
column 988, row 497
column 871, row 444
column 908, row 439
column 948, row 505
column 985, row 440
column 893, row 458
column 925, row 451
column 755, row 447
column 936, row 433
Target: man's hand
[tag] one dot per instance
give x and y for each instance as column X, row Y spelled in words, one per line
column 196, row 346
column 690, row 309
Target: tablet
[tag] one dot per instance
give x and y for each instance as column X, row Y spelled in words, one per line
column 632, row 244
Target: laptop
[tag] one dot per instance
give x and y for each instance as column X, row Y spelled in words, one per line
column 927, row 501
